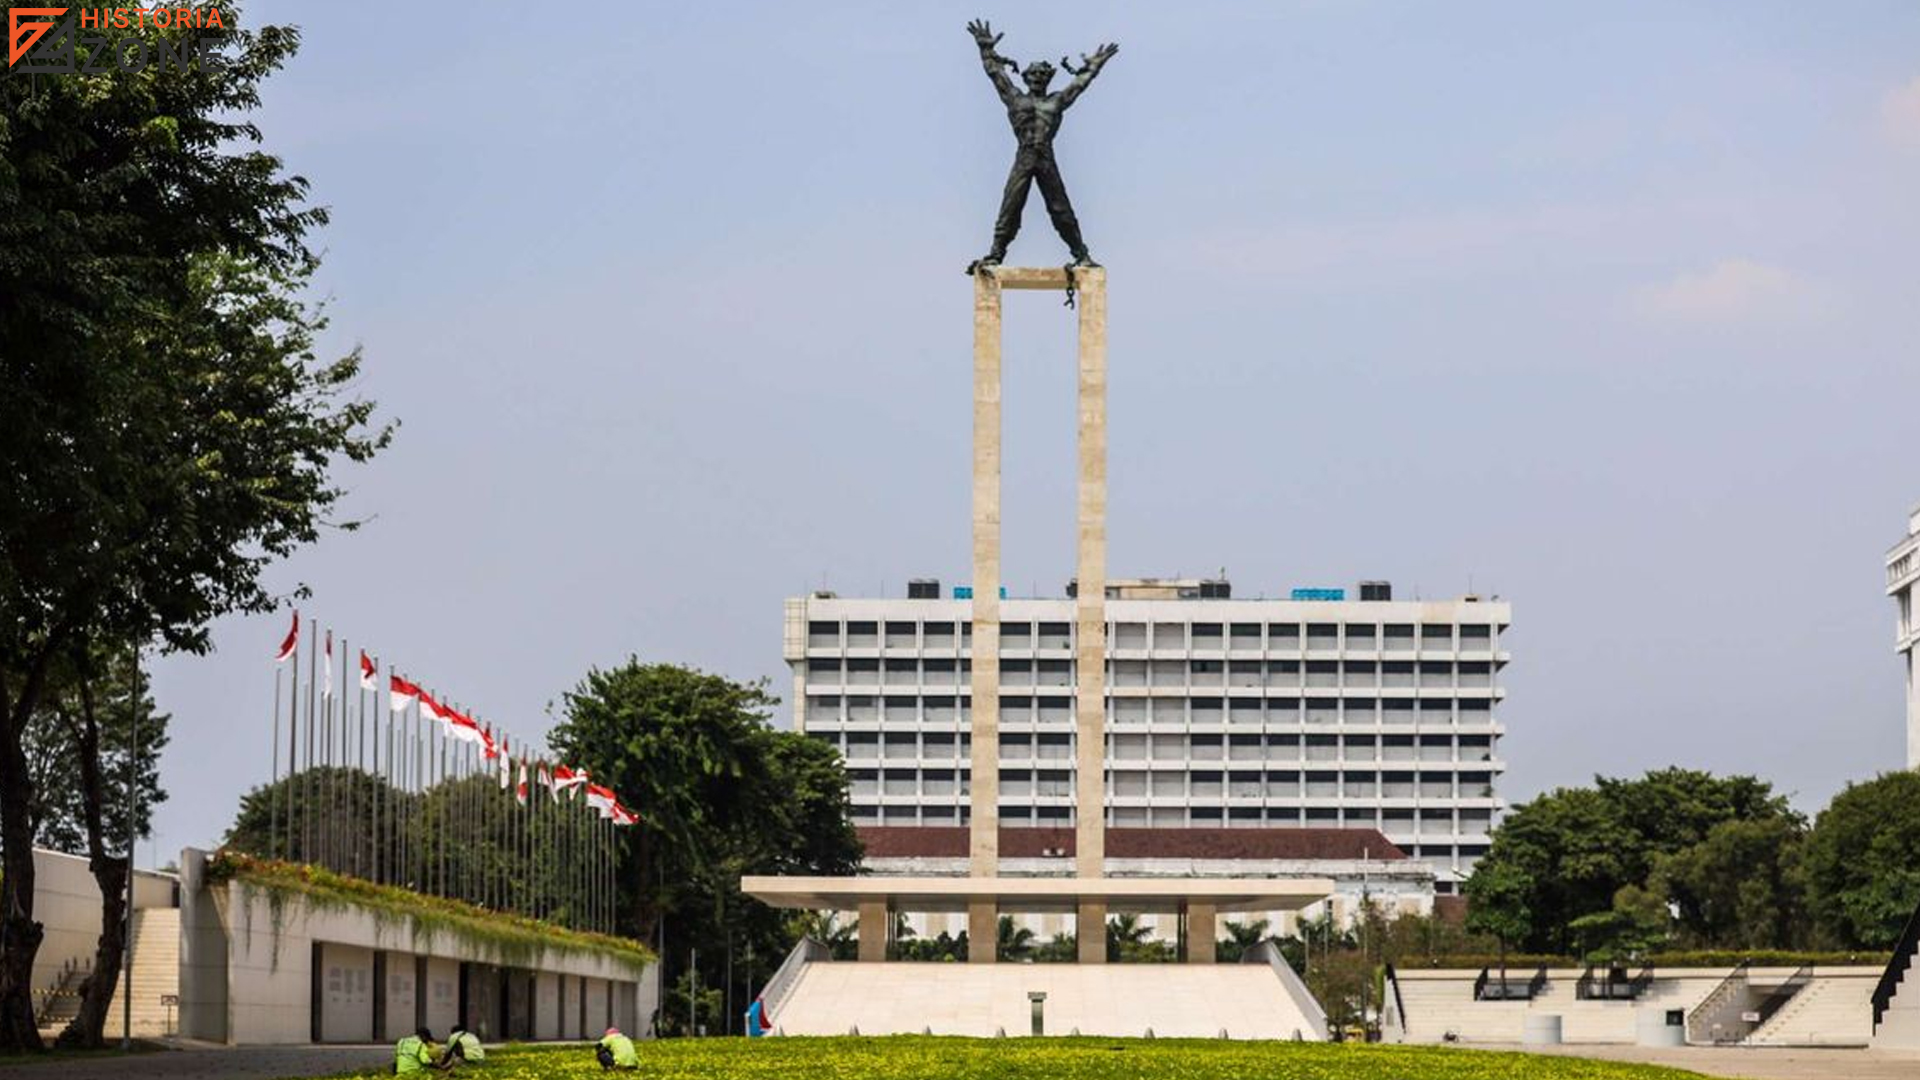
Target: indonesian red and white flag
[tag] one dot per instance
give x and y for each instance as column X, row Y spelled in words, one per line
column 544, row 774
column 601, row 799
column 326, row 680
column 565, row 779
column 623, row 817
column 499, row 750
column 520, row 791
column 368, row 672
column 462, row 727
column 489, row 748
column 400, row 691
column 291, row 642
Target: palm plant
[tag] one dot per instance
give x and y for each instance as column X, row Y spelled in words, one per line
column 1015, row 941
column 1242, row 938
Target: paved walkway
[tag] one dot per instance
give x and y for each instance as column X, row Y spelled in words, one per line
column 209, row 1063
column 1756, row 1062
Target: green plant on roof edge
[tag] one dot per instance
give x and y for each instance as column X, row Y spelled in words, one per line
column 516, row 940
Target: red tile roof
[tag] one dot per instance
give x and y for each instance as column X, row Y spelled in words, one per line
column 944, row 841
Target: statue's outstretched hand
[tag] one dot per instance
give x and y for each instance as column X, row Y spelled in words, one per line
column 1101, row 55
column 983, row 34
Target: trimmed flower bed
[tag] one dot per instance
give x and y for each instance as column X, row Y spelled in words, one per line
column 921, row 1058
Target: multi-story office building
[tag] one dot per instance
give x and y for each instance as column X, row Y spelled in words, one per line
column 1903, row 574
column 1313, row 712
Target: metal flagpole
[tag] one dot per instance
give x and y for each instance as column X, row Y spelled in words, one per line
column 329, row 816
column 306, row 783
column 293, row 747
column 273, row 797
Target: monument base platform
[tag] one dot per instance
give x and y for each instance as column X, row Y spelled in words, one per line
column 1247, row 1001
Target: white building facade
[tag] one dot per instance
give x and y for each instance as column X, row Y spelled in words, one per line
column 1903, row 573
column 1322, row 712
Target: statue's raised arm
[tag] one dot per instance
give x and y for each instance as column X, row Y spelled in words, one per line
column 1083, row 75
column 990, row 58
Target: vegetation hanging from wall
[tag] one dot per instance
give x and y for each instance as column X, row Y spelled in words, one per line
column 515, row 939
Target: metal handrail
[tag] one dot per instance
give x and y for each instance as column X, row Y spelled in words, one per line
column 1508, row 992
column 1783, row 994
column 774, row 996
column 1698, row 1018
column 1903, row 953
column 1610, row 988
column 1399, row 1003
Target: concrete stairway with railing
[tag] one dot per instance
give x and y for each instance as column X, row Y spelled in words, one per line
column 156, row 978
column 1833, row 1009
column 1898, row 1025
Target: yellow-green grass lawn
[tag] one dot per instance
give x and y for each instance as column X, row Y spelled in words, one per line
column 937, row 1058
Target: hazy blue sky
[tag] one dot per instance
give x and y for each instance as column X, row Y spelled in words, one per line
column 1607, row 309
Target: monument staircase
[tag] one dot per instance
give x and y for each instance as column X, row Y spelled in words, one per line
column 1895, row 1002
column 1245, row 1001
column 1834, row 1008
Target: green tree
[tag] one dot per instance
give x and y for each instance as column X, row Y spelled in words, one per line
column 720, row 793
column 1740, row 887
column 1131, row 941
column 1062, row 948
column 1862, row 862
column 1580, row 846
column 167, row 431
column 54, row 747
column 1015, row 942
column 1242, row 938
column 1499, row 904
column 1635, row 925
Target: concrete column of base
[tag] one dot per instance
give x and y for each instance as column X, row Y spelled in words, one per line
column 1091, row 929
column 984, row 685
column 874, row 929
column 1090, row 606
column 983, row 932
column 1202, row 927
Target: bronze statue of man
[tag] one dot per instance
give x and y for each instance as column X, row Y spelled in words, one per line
column 1035, row 116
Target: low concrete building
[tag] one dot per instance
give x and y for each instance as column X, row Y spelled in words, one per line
column 1751, row 1006
column 256, row 968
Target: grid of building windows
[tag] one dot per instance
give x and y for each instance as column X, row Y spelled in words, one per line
column 1377, row 714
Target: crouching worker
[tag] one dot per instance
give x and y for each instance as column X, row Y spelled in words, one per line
column 616, row 1051
column 415, row 1054
column 464, row 1046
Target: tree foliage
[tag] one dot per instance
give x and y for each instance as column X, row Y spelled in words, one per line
column 720, row 793
column 168, row 430
column 1862, row 861
column 53, row 749
column 1575, row 849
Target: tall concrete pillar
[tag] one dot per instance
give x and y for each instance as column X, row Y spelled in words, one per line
column 1090, row 606
column 985, row 684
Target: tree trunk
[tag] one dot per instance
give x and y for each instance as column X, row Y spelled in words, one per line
column 87, row 1028
column 20, row 935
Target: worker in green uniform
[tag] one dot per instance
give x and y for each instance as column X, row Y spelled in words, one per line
column 616, row 1051
column 464, row 1046
column 415, row 1054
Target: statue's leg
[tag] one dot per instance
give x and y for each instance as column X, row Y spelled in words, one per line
column 1012, row 203
column 1054, row 190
